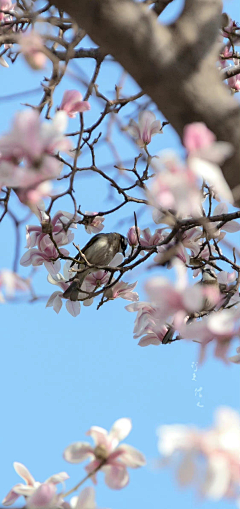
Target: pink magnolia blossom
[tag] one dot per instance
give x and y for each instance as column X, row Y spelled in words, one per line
column 33, row 49
column 235, row 358
column 154, row 338
column 197, row 136
column 47, row 255
column 27, row 151
column 220, row 327
column 133, row 236
column 107, row 455
column 147, row 324
column 219, row 447
column 62, row 280
column 35, row 237
column 72, row 103
column 11, row 282
column 171, row 299
column 146, row 127
column 93, row 224
column 149, row 240
column 229, row 227
column 174, row 187
column 32, row 196
column 205, row 155
column 45, row 496
column 123, row 290
column 38, row 494
column 147, row 317
column 97, row 279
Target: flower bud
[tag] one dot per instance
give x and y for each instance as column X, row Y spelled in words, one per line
column 133, row 235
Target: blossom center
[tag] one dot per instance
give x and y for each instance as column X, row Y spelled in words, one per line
column 101, row 452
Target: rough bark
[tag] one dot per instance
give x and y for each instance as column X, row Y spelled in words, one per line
column 174, row 65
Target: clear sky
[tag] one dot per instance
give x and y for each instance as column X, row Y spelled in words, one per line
column 60, row 375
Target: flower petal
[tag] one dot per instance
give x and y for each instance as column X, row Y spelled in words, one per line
column 121, row 429
column 10, row 498
column 86, row 499
column 231, row 227
column 42, row 497
column 98, row 434
column 77, row 452
column 73, row 307
column 58, row 478
column 213, row 175
column 116, row 477
column 24, row 473
column 131, row 457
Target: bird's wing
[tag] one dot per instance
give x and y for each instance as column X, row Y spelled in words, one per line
column 85, row 248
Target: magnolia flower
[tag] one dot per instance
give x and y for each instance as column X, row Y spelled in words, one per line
column 235, row 358
column 133, row 236
column 62, row 280
column 149, row 240
column 32, row 196
column 107, row 455
column 35, row 237
column 230, row 226
column 27, row 152
column 221, row 327
column 72, row 103
column 93, row 222
column 154, row 338
column 33, row 49
column 147, row 324
column 123, row 290
column 219, row 447
column 146, row 128
column 47, row 255
column 12, row 282
column 174, row 186
column 179, row 298
column 34, row 491
column 205, row 154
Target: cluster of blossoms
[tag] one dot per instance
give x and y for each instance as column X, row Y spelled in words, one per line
column 107, row 455
column 173, row 307
column 176, row 307
column 27, row 152
column 176, row 184
column 92, row 282
column 44, row 249
column 218, row 446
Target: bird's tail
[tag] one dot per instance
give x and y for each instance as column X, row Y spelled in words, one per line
column 74, row 289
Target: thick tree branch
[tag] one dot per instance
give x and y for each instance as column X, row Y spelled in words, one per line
column 174, row 65
column 160, row 5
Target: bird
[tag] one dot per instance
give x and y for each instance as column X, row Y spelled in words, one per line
column 99, row 251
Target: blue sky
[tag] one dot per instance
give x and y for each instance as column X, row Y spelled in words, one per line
column 60, row 375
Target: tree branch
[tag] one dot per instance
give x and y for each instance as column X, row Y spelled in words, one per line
column 175, row 66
